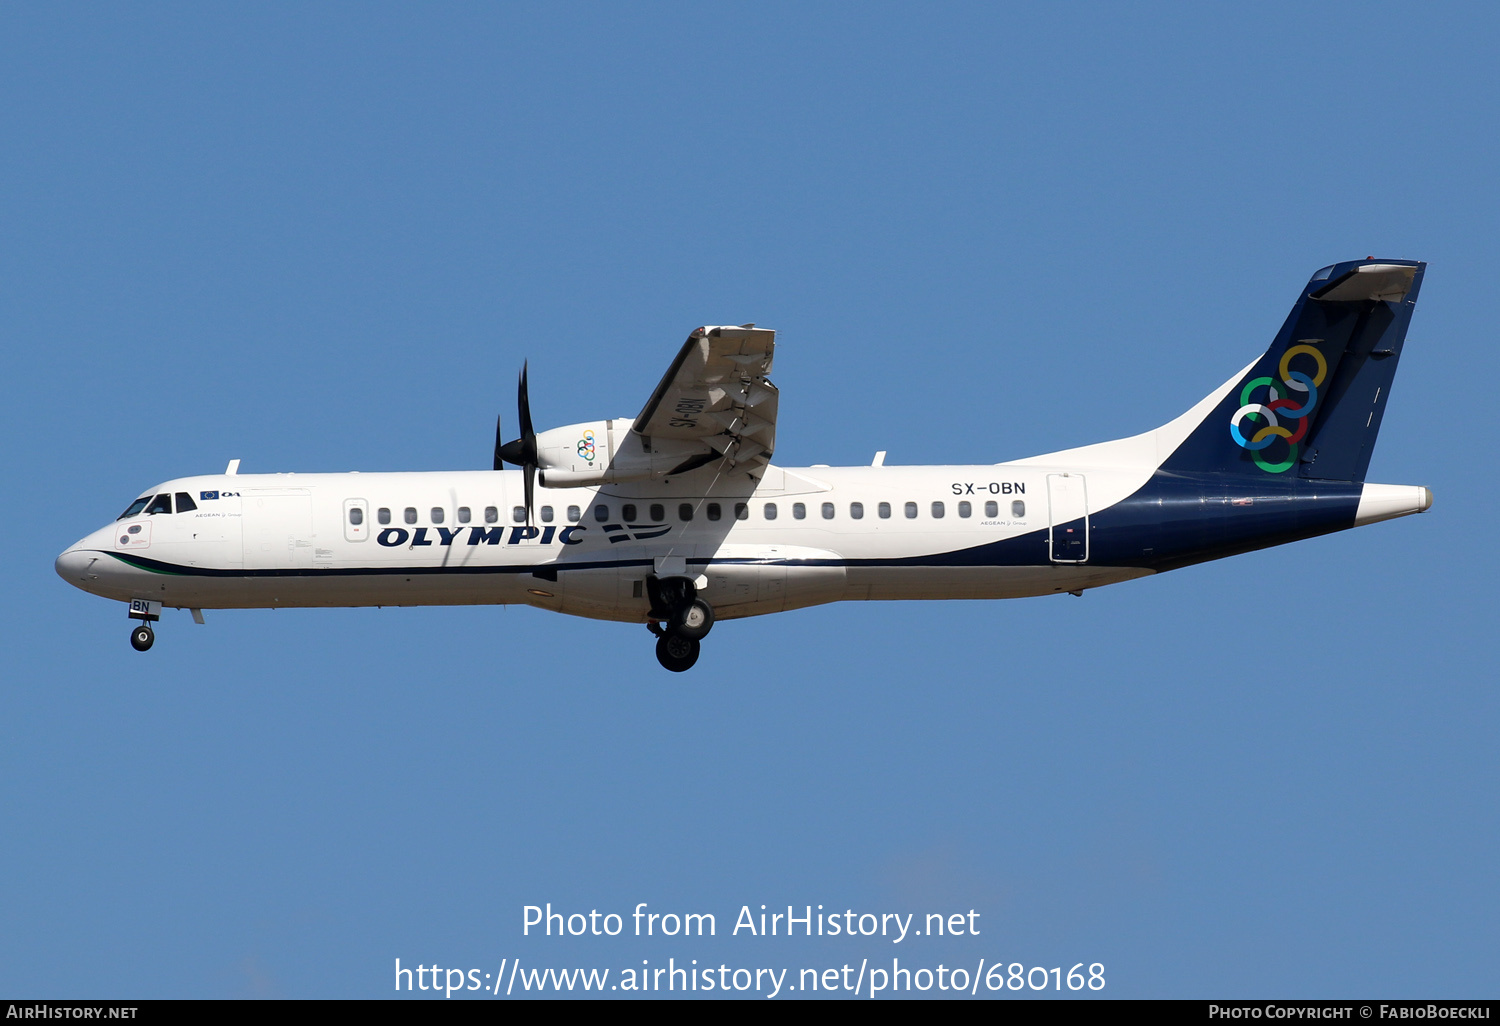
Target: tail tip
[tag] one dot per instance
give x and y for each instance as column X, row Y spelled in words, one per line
column 1386, row 502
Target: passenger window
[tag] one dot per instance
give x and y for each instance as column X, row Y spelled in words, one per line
column 383, row 514
column 574, row 514
column 410, row 514
column 185, row 502
column 965, row 510
column 911, row 511
column 827, row 511
column 1018, row 508
column 546, row 514
column 518, row 514
column 742, row 511
column 992, row 509
column 356, row 515
column 491, row 515
column 684, row 511
column 799, row 511
column 627, row 511
column 770, row 511
column 601, row 513
column 856, row 511
column 885, row 511
column 937, row 511
column 160, row 504
column 658, row 511
column 437, row 514
column 135, row 507
column 464, row 516
column 713, row 511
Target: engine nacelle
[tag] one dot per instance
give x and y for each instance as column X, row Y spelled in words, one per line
column 607, row 452
column 578, row 448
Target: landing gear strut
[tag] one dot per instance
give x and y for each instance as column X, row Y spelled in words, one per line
column 688, row 620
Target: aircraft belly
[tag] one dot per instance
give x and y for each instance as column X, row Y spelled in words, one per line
column 979, row 582
column 597, row 594
column 340, row 590
column 749, row 580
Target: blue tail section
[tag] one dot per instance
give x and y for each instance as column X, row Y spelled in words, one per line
column 1311, row 406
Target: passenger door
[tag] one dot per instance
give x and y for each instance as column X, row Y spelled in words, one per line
column 1068, row 518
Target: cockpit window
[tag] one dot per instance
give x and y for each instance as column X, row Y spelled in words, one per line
column 135, row 507
column 160, row 504
column 185, row 502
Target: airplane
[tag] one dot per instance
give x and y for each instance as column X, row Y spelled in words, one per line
column 677, row 518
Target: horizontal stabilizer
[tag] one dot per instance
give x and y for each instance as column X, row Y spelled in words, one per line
column 1386, row 283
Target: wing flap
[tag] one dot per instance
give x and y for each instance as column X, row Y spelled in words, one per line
column 717, row 392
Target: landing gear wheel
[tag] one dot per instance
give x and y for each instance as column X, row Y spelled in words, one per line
column 694, row 620
column 142, row 637
column 677, row 653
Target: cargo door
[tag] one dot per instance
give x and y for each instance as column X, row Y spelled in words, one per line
column 278, row 530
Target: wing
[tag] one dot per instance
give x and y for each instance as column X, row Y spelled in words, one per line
column 715, row 402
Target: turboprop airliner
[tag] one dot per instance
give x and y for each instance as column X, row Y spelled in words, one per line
column 677, row 518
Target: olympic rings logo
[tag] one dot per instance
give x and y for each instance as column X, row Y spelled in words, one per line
column 586, row 446
column 1280, row 407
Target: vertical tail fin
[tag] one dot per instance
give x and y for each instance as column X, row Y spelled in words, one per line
column 1311, row 406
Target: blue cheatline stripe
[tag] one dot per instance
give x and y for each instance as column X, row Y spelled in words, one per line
column 971, row 557
column 158, row 566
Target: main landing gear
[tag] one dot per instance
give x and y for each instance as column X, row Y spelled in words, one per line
column 675, row 652
column 141, row 638
column 688, row 619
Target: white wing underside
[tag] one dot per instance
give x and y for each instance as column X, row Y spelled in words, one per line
column 716, row 405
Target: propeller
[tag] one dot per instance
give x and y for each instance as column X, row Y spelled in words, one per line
column 521, row 451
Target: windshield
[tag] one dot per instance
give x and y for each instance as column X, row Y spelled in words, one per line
column 135, row 507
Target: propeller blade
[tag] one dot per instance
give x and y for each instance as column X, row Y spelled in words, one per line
column 521, row 452
column 523, row 400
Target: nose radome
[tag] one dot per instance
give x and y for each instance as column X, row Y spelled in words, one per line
column 72, row 566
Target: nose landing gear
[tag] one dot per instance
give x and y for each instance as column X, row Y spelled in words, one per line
column 688, row 621
column 144, row 610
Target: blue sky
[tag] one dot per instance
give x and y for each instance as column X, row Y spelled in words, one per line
column 325, row 238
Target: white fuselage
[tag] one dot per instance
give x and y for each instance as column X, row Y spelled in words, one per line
column 794, row 538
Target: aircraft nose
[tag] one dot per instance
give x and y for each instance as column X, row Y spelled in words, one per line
column 72, row 566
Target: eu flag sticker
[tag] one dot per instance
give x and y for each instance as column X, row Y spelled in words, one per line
column 208, row 495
